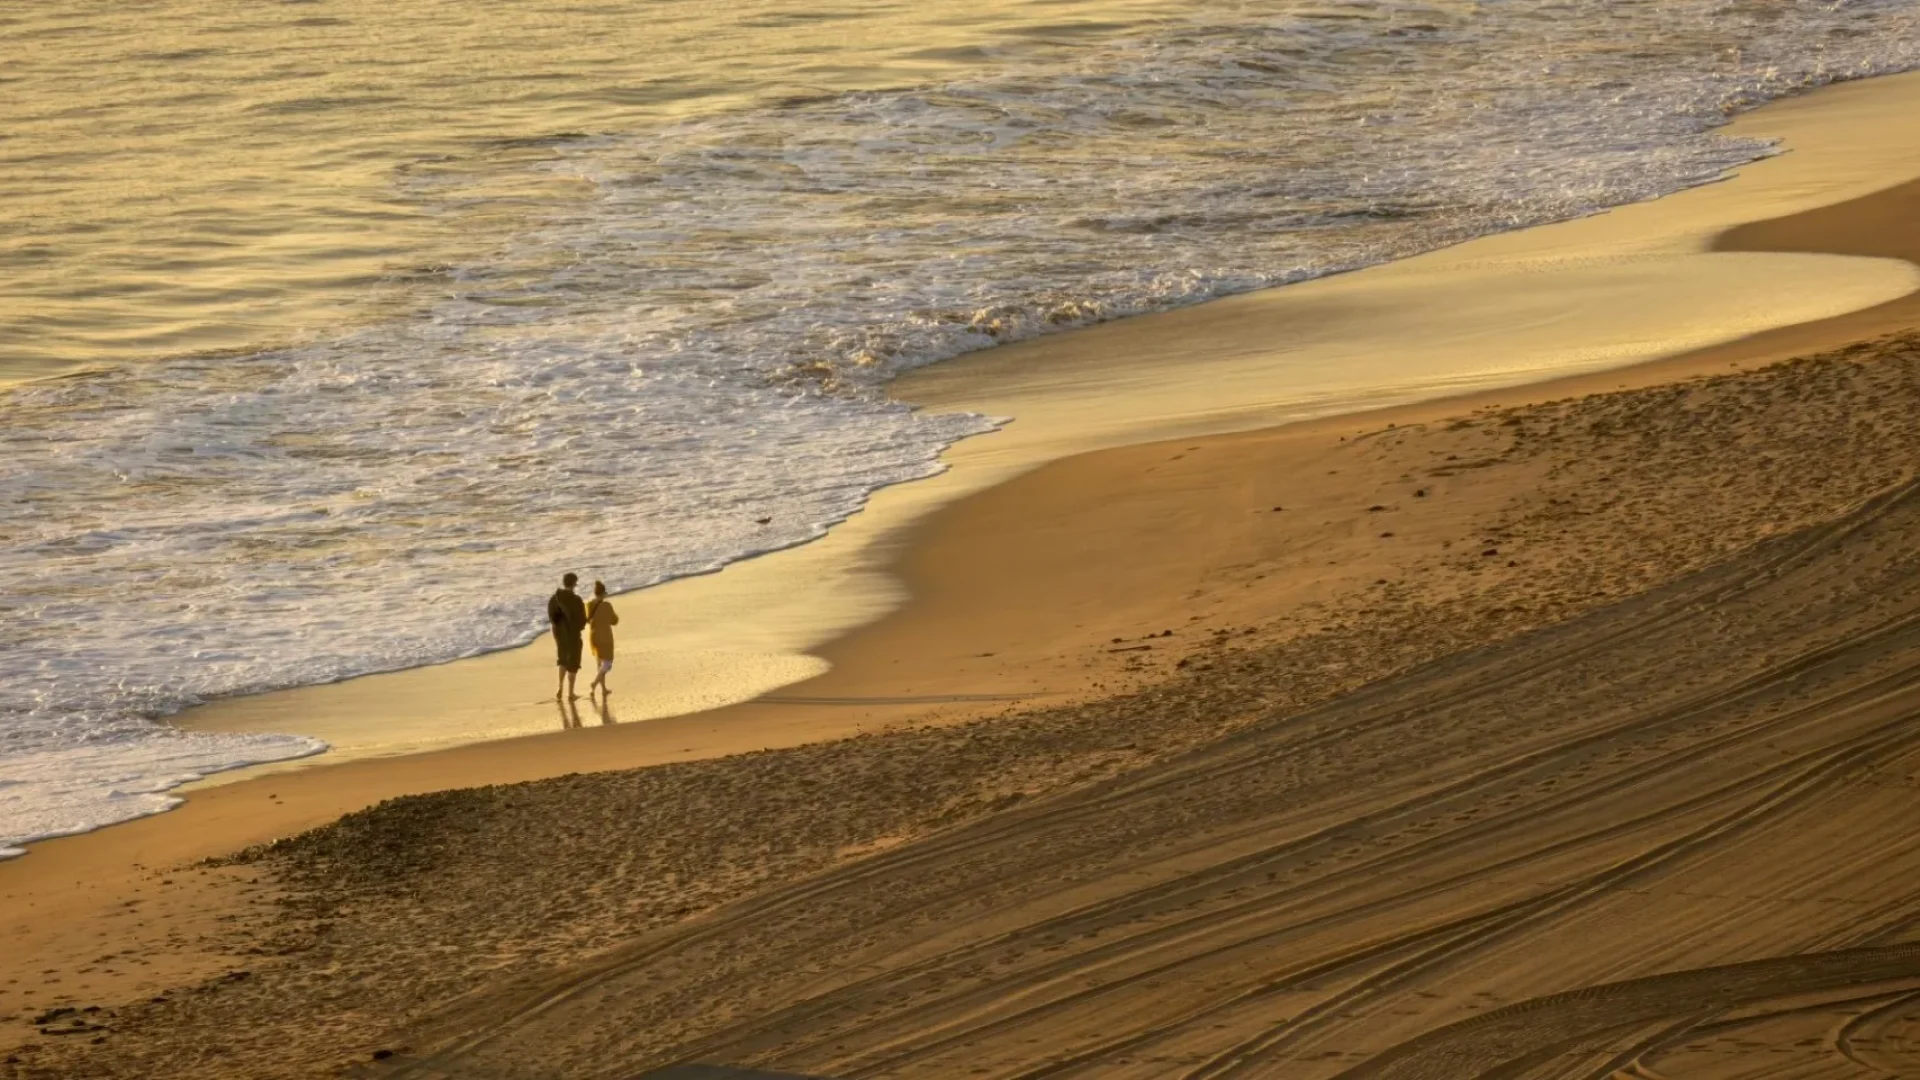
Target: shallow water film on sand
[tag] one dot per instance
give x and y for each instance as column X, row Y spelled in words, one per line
column 335, row 331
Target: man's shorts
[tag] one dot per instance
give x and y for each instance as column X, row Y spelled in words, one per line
column 569, row 648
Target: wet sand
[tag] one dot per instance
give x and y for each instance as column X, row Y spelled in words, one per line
column 1062, row 586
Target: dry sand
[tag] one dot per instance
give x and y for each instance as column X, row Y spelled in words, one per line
column 1565, row 781
column 1614, row 769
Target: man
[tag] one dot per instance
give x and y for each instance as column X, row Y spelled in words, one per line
column 568, row 614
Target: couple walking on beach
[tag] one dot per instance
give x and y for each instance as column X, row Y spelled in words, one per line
column 570, row 618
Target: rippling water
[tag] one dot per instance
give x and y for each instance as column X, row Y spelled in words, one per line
column 330, row 321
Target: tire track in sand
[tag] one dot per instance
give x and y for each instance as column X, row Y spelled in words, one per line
column 1242, row 911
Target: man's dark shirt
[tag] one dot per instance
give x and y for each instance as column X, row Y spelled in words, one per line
column 568, row 614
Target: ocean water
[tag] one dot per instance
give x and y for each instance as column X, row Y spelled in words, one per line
column 331, row 331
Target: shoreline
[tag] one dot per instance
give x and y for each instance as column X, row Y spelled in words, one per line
column 764, row 627
column 938, row 642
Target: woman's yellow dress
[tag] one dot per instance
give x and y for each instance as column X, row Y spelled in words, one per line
column 601, row 619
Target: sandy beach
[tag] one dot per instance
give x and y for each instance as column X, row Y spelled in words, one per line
column 1595, row 294
column 1537, row 728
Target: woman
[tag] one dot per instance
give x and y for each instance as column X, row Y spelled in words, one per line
column 601, row 619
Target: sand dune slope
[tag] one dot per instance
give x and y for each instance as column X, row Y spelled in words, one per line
column 1676, row 831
